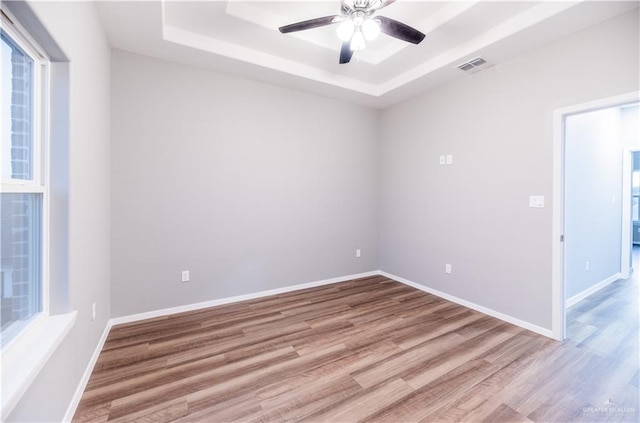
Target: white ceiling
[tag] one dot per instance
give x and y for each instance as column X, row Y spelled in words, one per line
column 242, row 38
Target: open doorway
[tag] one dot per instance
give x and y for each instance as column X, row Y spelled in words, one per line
column 592, row 209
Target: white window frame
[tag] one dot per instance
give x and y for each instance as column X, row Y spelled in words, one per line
column 27, row 352
column 39, row 184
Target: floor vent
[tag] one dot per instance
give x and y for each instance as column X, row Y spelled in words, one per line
column 472, row 64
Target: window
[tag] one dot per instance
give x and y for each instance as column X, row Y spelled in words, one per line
column 23, row 198
column 29, row 333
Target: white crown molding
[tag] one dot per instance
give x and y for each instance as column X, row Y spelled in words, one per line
column 456, row 31
column 257, row 16
column 201, row 42
column 471, row 47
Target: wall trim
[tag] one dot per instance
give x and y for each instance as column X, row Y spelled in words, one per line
column 593, row 289
column 77, row 395
column 490, row 312
column 71, row 410
column 221, row 301
column 196, row 306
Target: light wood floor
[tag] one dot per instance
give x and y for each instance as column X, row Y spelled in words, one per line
column 370, row 349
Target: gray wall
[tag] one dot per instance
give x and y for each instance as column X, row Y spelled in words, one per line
column 249, row 186
column 80, row 187
column 593, row 192
column 287, row 184
column 497, row 124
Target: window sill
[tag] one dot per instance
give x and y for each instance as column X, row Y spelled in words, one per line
column 23, row 359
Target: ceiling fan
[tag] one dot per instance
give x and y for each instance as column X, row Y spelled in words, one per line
column 357, row 24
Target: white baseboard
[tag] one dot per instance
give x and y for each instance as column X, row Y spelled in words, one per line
column 189, row 307
column 509, row 319
column 71, row 410
column 592, row 290
column 196, row 306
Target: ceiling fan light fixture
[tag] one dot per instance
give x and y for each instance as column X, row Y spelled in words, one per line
column 370, row 29
column 357, row 41
column 356, row 26
column 345, row 30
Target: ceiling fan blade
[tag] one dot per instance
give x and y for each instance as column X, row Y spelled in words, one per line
column 311, row 23
column 346, row 53
column 399, row 30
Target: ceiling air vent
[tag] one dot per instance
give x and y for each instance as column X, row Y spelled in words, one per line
column 478, row 61
column 472, row 64
column 466, row 66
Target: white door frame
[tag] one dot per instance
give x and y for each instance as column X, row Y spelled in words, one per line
column 558, row 314
column 627, row 225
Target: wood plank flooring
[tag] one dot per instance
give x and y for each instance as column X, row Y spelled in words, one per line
column 368, row 350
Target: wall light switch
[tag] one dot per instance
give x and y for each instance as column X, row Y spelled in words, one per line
column 358, row 253
column 443, row 160
column 185, row 276
column 536, row 201
column 449, row 159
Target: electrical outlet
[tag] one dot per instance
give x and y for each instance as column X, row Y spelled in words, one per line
column 185, row 276
column 447, row 268
column 443, row 160
column 93, row 312
column 358, row 253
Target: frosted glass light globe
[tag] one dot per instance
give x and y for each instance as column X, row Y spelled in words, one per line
column 370, row 29
column 345, row 30
column 357, row 41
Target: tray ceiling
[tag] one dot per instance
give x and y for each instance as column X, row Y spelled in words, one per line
column 242, row 38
